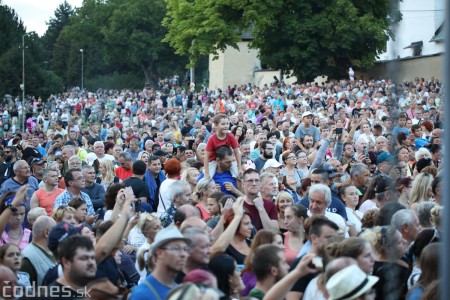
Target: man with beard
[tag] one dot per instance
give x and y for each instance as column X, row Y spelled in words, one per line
column 266, row 154
column 77, row 257
column 37, row 168
column 269, row 265
column 285, row 130
column 306, row 128
column 170, row 251
column 6, row 168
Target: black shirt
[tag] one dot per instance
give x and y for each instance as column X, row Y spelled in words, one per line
column 140, row 188
column 302, row 283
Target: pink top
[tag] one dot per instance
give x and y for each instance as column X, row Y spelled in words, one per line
column 205, row 216
column 289, row 253
column 5, row 239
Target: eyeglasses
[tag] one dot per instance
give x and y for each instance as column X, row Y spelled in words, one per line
column 292, row 157
column 176, row 249
column 25, row 168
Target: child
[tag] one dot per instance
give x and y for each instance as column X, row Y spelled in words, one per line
column 221, row 138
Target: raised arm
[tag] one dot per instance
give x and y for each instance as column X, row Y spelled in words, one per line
column 7, row 212
column 282, row 287
column 114, row 235
column 224, row 240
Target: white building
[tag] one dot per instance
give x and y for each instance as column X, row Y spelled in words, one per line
column 419, row 33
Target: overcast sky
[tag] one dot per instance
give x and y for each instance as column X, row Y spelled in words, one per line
column 34, row 13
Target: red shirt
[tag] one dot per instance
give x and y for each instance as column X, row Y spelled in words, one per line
column 123, row 174
column 214, row 142
column 270, row 208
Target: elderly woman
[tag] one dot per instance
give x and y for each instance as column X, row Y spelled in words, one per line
column 290, row 161
column 283, row 200
column 148, row 226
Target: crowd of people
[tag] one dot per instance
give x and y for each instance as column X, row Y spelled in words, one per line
column 273, row 192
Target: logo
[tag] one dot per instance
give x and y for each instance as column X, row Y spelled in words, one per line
column 11, row 290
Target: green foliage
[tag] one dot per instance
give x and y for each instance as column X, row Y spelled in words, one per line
column 308, row 37
column 55, row 25
column 133, row 34
column 200, row 27
column 117, row 81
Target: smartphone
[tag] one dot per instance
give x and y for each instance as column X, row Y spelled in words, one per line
column 136, row 206
column 338, row 130
column 366, row 151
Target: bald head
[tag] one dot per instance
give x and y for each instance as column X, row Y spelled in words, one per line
column 195, row 222
column 42, row 227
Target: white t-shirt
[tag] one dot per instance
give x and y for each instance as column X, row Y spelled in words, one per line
column 164, row 196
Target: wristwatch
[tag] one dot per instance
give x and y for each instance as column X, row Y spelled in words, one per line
column 11, row 207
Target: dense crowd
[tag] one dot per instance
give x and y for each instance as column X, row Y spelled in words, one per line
column 273, row 192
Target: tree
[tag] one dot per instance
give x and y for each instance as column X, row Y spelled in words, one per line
column 82, row 32
column 200, row 27
column 55, row 25
column 133, row 35
column 308, row 37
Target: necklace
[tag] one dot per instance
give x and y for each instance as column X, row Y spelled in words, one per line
column 16, row 237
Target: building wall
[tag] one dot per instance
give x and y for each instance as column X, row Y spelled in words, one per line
column 234, row 67
column 419, row 23
column 408, row 69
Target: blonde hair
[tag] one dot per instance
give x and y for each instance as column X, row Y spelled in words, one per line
column 141, row 259
column 436, row 215
column 35, row 213
column 185, row 174
column 421, row 185
column 110, row 171
column 58, row 214
column 202, row 185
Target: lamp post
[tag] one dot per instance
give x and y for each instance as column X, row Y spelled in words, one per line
column 23, row 82
column 82, row 69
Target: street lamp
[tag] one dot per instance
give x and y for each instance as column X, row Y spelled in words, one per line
column 82, row 69
column 23, row 82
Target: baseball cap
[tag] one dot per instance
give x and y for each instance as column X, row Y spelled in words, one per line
column 271, row 163
column 306, row 113
column 167, row 235
column 384, row 157
column 36, row 161
column 60, row 232
column 332, row 172
column 160, row 153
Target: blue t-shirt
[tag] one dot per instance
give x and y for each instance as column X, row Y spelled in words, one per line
column 221, row 178
column 142, row 291
column 419, row 143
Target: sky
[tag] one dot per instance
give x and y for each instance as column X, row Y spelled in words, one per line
column 35, row 13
